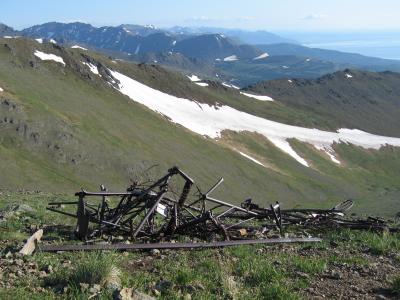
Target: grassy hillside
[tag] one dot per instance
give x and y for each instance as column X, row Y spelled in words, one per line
column 347, row 99
column 63, row 128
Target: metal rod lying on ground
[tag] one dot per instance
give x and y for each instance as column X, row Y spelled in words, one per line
column 55, row 248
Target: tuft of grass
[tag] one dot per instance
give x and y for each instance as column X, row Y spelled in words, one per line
column 184, row 276
column 396, row 285
column 377, row 243
column 89, row 267
column 277, row 291
column 93, row 268
column 309, row 265
column 382, row 244
column 352, row 260
column 24, row 293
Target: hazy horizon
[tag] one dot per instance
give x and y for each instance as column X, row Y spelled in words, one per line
column 366, row 27
column 285, row 15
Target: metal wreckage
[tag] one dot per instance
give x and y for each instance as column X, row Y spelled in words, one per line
column 147, row 216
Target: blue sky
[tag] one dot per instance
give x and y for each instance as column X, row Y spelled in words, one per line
column 278, row 15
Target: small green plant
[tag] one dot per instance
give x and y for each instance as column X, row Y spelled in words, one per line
column 309, row 265
column 89, row 267
column 396, row 285
column 381, row 243
column 93, row 268
column 184, row 276
column 277, row 292
column 352, row 260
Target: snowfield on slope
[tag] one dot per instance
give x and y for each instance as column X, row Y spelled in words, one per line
column 230, row 86
column 194, row 78
column 264, row 55
column 46, row 56
column 78, row 47
column 258, row 97
column 92, row 68
column 211, row 121
column 231, row 58
column 251, row 158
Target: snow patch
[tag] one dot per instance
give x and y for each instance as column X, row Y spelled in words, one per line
column 290, row 81
column 349, row 75
column 78, row 47
column 308, row 59
column 40, row 41
column 329, row 151
column 204, row 84
column 209, row 120
column 46, row 56
column 251, row 158
column 1, row 90
column 230, row 86
column 285, row 67
column 92, row 68
column 231, row 58
column 173, row 43
column 194, row 78
column 53, row 41
column 283, row 144
column 264, row 55
column 8, row 37
column 258, row 97
column 137, row 49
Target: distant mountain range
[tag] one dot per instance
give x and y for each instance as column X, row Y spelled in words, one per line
column 235, row 56
column 6, row 30
column 242, row 36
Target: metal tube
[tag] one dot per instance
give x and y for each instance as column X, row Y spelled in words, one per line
column 55, row 248
column 231, row 205
column 215, row 186
column 151, row 210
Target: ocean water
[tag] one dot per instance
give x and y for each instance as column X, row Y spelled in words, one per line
column 377, row 44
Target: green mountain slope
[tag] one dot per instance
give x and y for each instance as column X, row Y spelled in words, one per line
column 346, row 99
column 63, row 128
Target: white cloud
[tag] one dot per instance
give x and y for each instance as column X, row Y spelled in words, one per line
column 312, row 17
column 204, row 19
column 208, row 19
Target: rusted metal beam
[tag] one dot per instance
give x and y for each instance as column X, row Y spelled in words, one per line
column 219, row 244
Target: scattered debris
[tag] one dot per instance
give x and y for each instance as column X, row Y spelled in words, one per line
column 152, row 213
column 131, row 294
column 31, row 243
